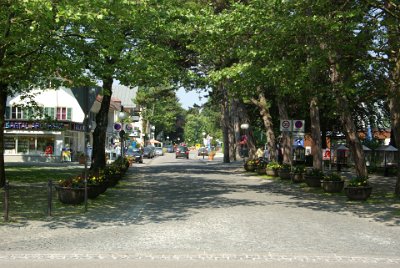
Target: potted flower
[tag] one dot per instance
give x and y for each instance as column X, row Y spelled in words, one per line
column 112, row 174
column 284, row 171
column 313, row 177
column 332, row 183
column 272, row 168
column 71, row 190
column 358, row 189
column 250, row 165
column 296, row 174
column 97, row 184
column 81, row 157
column 261, row 166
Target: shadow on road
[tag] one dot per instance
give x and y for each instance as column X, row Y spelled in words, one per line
column 166, row 192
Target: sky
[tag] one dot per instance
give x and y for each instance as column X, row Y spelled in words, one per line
column 188, row 99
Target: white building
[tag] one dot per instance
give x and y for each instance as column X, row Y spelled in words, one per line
column 35, row 135
column 43, row 131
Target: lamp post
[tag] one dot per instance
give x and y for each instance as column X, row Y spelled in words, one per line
column 122, row 115
column 244, row 149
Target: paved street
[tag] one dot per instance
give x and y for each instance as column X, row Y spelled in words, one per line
column 177, row 213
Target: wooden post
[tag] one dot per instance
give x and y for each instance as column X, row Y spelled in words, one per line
column 49, row 197
column 6, row 200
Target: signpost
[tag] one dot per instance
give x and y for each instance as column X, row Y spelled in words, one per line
column 293, row 126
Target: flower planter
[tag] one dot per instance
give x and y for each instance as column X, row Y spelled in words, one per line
column 68, row 195
column 296, row 177
column 313, row 181
column 250, row 168
column 332, row 186
column 261, row 171
column 271, row 172
column 284, row 174
column 359, row 193
column 82, row 159
column 113, row 179
column 96, row 190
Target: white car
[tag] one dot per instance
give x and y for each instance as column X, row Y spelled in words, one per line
column 159, row 151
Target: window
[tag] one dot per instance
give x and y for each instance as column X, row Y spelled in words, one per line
column 7, row 113
column 49, row 112
column 16, row 112
column 64, row 113
column 44, row 143
column 23, row 145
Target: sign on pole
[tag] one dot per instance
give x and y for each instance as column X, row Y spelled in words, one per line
column 298, row 125
column 286, row 125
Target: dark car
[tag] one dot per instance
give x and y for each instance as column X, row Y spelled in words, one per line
column 136, row 154
column 202, row 151
column 148, row 152
column 182, row 151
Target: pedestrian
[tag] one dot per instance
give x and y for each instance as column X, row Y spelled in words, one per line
column 259, row 152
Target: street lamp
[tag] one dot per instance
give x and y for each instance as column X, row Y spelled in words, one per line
column 244, row 151
column 122, row 115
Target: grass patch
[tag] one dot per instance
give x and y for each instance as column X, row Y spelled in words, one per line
column 37, row 174
column 28, row 193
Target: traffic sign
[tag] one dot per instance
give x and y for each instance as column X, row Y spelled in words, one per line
column 298, row 125
column 286, row 125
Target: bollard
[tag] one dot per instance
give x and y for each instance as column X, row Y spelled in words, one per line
column 49, row 197
column 6, row 200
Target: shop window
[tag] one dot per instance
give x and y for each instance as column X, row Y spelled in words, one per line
column 16, row 112
column 64, row 113
column 9, row 143
column 23, row 145
column 44, row 143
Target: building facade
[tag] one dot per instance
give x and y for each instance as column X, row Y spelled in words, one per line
column 42, row 127
column 49, row 125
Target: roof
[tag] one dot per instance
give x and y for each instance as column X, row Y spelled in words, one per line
column 125, row 94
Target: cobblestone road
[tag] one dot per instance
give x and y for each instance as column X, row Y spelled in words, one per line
column 177, row 212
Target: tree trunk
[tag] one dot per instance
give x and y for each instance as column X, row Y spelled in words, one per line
column 3, row 104
column 286, row 141
column 316, row 147
column 234, row 130
column 394, row 76
column 263, row 107
column 347, row 121
column 394, row 105
column 244, row 118
column 225, row 121
column 99, row 134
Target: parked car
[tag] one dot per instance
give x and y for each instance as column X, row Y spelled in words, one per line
column 136, row 154
column 202, row 151
column 182, row 151
column 148, row 152
column 159, row 151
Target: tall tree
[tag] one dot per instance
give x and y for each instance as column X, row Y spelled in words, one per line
column 124, row 41
column 29, row 52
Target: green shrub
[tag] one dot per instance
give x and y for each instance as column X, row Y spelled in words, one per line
column 333, row 177
column 358, row 182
